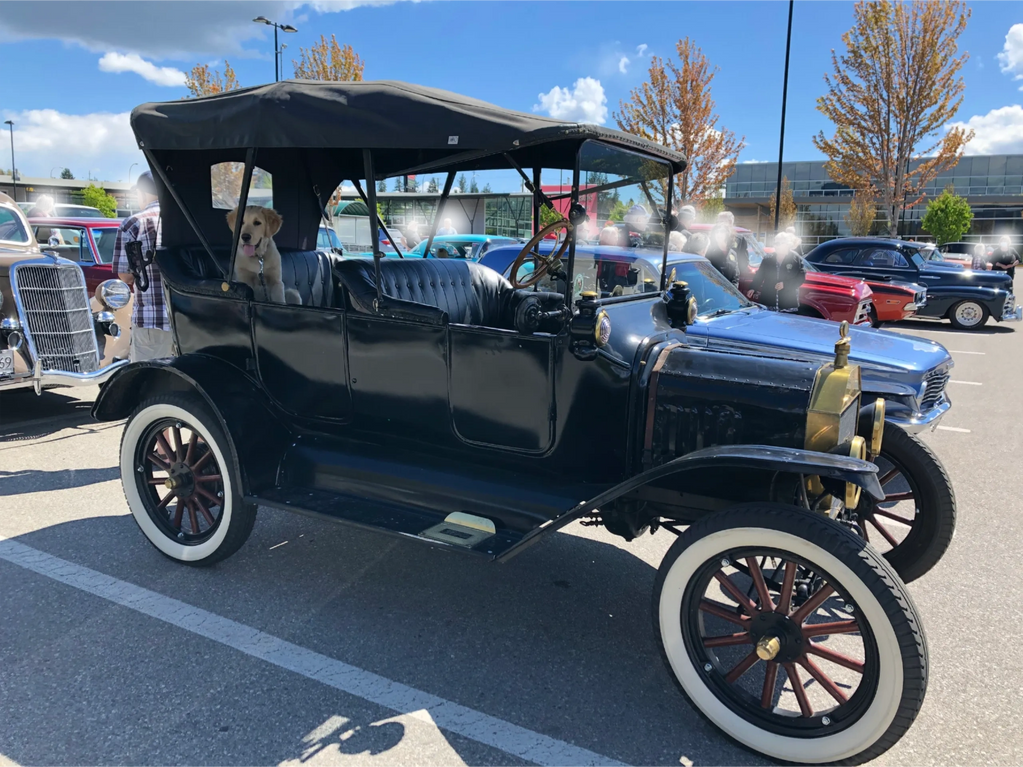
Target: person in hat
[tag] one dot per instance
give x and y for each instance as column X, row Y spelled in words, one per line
column 633, row 222
column 686, row 218
column 151, row 336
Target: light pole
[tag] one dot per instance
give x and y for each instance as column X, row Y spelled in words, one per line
column 781, row 141
column 53, row 169
column 14, row 168
column 277, row 51
column 129, row 172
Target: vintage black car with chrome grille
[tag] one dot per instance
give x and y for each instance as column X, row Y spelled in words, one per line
column 437, row 401
column 52, row 333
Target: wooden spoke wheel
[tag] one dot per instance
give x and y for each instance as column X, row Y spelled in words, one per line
column 790, row 634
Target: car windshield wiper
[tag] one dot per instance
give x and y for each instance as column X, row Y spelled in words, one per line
column 717, row 313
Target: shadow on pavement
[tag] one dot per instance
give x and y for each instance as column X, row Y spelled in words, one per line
column 35, row 481
column 923, row 323
column 559, row 640
column 24, row 415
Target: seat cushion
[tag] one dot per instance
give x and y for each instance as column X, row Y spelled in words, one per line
column 468, row 293
column 308, row 272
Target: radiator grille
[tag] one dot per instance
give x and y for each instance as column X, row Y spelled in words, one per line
column 57, row 317
column 934, row 388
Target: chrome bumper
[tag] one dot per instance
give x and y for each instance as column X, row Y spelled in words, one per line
column 1011, row 312
column 926, row 422
column 42, row 379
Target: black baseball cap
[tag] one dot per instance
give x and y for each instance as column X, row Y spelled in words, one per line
column 145, row 183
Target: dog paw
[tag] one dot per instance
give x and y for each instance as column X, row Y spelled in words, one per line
column 292, row 296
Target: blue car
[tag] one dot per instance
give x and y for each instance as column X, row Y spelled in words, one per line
column 470, row 246
column 909, row 373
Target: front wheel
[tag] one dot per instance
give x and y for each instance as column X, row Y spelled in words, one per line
column 790, row 634
column 181, row 483
column 968, row 315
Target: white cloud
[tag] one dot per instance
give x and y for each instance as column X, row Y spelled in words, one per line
column 623, row 64
column 641, row 49
column 132, row 62
column 1010, row 60
column 160, row 30
column 1000, row 131
column 583, row 102
column 101, row 144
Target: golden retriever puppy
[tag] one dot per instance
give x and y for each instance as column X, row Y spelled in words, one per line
column 258, row 263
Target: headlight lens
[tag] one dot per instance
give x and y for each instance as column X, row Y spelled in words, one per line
column 113, row 294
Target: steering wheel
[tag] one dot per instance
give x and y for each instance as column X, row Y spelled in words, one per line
column 541, row 263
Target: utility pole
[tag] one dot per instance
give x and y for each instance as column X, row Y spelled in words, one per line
column 784, row 99
column 14, row 167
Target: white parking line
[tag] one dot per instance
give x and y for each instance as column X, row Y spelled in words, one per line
column 955, row 428
column 966, row 383
column 960, row 351
column 477, row 726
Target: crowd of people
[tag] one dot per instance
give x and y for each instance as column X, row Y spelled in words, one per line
column 1002, row 258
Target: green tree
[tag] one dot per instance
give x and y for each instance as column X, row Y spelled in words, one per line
column 97, row 197
column 397, row 184
column 66, row 173
column 709, row 209
column 548, row 216
column 948, row 217
column 381, row 185
column 487, row 189
column 618, row 211
column 432, row 186
column 463, row 184
column 473, row 186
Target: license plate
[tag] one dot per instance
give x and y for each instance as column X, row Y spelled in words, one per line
column 6, row 362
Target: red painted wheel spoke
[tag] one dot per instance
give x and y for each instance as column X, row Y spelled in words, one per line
column 168, row 453
column 733, row 590
column 893, row 497
column 744, row 665
column 724, row 612
column 192, row 518
column 797, row 687
column 179, row 509
column 863, row 530
column 823, row 680
column 884, row 532
column 785, row 603
column 893, row 517
column 757, row 575
column 810, row 605
column 208, row 478
column 728, row 640
column 770, row 680
column 888, row 476
column 191, row 448
column 179, row 449
column 824, row 629
column 202, row 461
column 207, row 495
column 836, row 657
column 204, row 511
column 163, row 504
column 155, row 458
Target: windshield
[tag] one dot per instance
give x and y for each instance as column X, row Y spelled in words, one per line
column 78, row 211
column 714, row 293
column 916, row 258
column 104, row 239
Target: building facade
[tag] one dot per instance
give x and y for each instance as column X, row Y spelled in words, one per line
column 67, row 190
column 992, row 184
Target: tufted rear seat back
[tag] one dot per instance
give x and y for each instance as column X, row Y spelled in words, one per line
column 468, row 293
column 307, row 271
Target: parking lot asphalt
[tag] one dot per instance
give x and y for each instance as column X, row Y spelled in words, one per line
column 321, row 644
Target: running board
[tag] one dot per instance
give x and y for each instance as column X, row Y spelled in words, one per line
column 459, row 531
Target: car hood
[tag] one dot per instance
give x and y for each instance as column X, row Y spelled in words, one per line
column 936, row 273
column 837, row 282
column 811, row 338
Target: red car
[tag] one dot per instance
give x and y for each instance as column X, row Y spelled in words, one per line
column 822, row 295
column 89, row 242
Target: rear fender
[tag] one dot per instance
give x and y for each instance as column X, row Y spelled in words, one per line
column 256, row 435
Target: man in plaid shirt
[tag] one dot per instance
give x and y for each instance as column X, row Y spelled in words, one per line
column 151, row 336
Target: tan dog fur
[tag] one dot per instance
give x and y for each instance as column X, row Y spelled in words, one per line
column 261, row 224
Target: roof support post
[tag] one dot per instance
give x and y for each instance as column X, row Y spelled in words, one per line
column 536, row 200
column 448, row 183
column 374, row 220
column 243, row 201
column 572, row 230
column 667, row 230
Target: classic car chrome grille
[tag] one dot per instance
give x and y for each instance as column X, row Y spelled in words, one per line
column 57, row 316
column 934, row 388
column 1010, row 305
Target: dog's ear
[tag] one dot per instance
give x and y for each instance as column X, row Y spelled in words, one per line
column 274, row 221
column 231, row 217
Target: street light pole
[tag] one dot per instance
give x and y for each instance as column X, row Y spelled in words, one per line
column 784, row 98
column 14, row 168
column 129, row 172
column 277, row 51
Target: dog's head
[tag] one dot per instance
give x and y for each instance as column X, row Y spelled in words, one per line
column 259, row 225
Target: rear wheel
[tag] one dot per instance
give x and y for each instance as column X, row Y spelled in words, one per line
column 968, row 315
column 874, row 321
column 790, row 634
column 181, row 483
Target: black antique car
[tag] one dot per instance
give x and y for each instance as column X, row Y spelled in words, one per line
column 435, row 400
column 965, row 297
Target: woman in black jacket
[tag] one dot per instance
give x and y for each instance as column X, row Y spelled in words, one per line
column 721, row 255
column 776, row 283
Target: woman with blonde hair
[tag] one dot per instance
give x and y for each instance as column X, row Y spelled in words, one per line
column 776, row 283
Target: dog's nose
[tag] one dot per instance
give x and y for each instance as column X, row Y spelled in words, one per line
column 246, row 237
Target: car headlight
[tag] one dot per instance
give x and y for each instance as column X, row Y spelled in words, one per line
column 113, row 294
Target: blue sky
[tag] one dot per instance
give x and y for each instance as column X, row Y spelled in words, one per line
column 69, row 111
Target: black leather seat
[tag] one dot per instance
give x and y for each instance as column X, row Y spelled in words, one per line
column 463, row 291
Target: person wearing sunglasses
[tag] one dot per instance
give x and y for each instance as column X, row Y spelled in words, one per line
column 779, row 278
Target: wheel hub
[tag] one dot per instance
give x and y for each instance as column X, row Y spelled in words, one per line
column 776, row 637
column 180, row 480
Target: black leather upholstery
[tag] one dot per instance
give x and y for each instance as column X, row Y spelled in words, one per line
column 466, row 292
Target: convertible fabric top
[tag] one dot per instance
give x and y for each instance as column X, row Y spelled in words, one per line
column 422, row 126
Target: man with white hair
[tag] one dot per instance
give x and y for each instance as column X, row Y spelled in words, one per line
column 446, row 229
column 43, row 207
column 676, row 242
column 776, row 283
column 739, row 244
column 1004, row 257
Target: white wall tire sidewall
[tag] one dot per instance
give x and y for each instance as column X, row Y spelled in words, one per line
column 133, row 432
column 970, row 322
column 829, row 748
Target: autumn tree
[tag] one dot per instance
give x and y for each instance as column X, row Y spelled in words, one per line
column 788, row 205
column 327, row 60
column 948, row 217
column 675, row 108
column 890, row 94
column 710, row 207
column 203, row 81
column 861, row 214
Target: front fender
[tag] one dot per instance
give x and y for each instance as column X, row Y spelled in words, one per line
column 256, row 435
